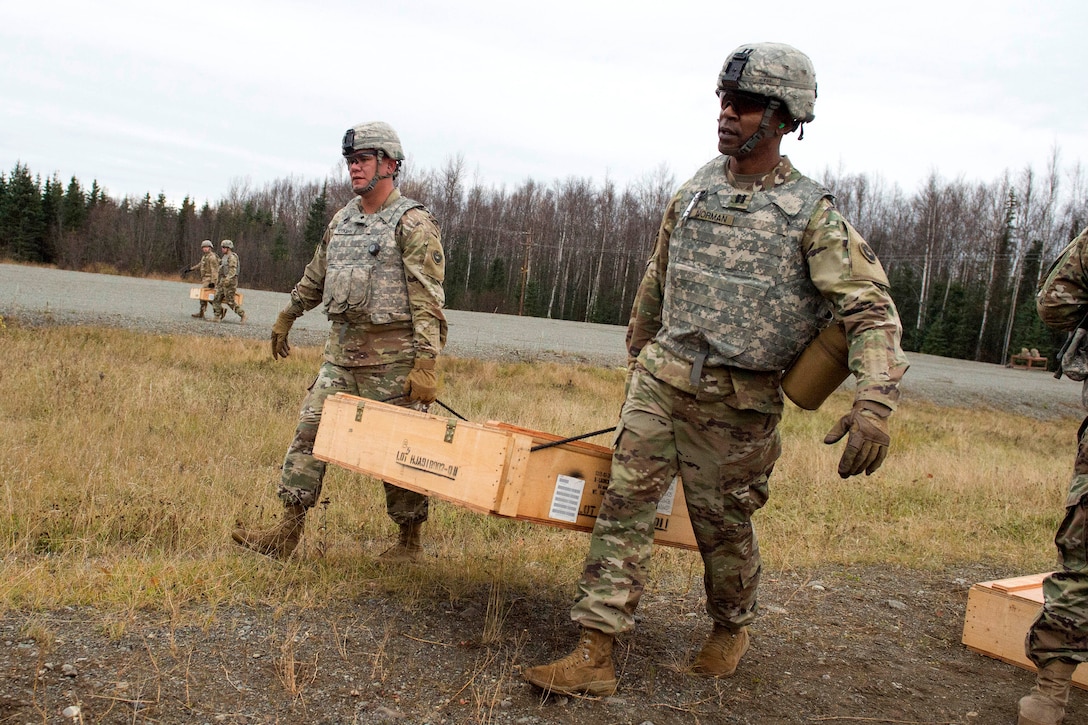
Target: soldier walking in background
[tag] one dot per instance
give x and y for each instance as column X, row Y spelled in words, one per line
column 1058, row 639
column 378, row 271
column 752, row 259
column 229, row 269
column 209, row 273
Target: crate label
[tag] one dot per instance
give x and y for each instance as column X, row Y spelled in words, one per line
column 565, row 498
column 428, row 463
column 664, row 506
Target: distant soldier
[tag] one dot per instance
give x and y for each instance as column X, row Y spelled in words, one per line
column 1058, row 639
column 209, row 273
column 229, row 269
column 378, row 272
column 752, row 260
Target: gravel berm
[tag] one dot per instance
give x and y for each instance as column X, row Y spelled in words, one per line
column 41, row 296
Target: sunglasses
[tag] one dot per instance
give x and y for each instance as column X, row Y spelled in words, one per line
column 742, row 102
column 359, row 158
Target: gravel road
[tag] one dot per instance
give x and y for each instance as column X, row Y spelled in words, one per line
column 37, row 296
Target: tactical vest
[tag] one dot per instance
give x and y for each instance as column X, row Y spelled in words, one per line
column 225, row 264
column 364, row 277
column 737, row 289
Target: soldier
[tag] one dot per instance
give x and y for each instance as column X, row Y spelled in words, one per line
column 209, row 273
column 378, row 271
column 752, row 259
column 229, row 269
column 1058, row 639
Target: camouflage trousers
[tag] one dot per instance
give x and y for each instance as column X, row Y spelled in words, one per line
column 300, row 482
column 724, row 457
column 204, row 303
column 224, row 295
column 1061, row 629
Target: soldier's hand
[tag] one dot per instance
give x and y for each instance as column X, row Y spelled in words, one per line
column 422, row 383
column 211, row 285
column 280, row 347
column 868, row 439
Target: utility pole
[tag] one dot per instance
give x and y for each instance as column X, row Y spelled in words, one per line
column 525, row 271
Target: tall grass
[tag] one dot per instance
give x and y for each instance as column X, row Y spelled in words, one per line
column 127, row 458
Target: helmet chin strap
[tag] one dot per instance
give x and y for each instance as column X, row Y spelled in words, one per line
column 764, row 124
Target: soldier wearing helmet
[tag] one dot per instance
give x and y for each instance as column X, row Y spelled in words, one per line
column 378, row 273
column 229, row 269
column 1056, row 642
column 209, row 272
column 752, row 260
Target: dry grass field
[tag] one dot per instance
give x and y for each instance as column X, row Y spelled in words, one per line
column 128, row 457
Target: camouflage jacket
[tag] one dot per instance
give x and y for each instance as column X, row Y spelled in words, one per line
column 1062, row 299
column 228, row 270
column 209, row 268
column 361, row 342
column 841, row 266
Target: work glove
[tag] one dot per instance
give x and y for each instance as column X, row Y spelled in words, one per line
column 867, row 444
column 422, row 383
column 280, row 348
column 211, row 285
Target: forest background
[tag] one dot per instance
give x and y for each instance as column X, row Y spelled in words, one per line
column 964, row 258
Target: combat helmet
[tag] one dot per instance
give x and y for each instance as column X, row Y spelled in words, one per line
column 206, row 243
column 774, row 70
column 227, row 243
column 376, row 135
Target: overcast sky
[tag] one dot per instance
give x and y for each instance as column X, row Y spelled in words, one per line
column 188, row 98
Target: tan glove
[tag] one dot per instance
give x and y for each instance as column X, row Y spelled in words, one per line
column 422, row 383
column 280, row 348
column 867, row 445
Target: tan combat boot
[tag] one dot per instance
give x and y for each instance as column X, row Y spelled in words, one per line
column 199, row 315
column 721, row 652
column 588, row 669
column 279, row 541
column 1045, row 705
column 408, row 547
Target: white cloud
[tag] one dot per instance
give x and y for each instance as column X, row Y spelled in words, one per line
column 184, row 98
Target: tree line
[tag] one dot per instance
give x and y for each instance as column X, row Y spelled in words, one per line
column 964, row 258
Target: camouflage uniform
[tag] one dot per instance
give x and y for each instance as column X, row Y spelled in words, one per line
column 1061, row 629
column 229, row 268
column 209, row 274
column 380, row 278
column 718, row 315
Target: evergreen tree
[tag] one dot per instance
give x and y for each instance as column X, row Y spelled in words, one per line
column 52, row 223
column 74, row 207
column 95, row 195
column 186, row 222
column 316, row 219
column 21, row 222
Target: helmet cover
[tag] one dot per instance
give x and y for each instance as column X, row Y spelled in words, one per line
column 774, row 70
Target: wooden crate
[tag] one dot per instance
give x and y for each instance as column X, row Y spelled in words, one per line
column 999, row 614
column 207, row 294
column 490, row 467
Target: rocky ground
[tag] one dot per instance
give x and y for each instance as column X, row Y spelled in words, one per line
column 833, row 645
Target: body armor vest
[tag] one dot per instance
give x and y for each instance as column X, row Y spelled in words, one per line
column 737, row 290
column 364, row 276
column 225, row 268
